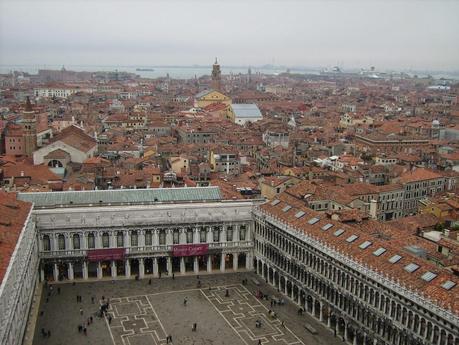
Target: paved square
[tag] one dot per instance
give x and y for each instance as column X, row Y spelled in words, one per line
column 144, row 314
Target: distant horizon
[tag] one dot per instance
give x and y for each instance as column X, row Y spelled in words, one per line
column 254, row 66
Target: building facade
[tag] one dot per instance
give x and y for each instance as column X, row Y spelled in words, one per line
column 109, row 238
column 298, row 254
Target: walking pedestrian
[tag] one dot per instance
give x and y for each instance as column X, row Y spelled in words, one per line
column 259, row 341
column 283, row 324
column 109, row 319
column 85, row 331
column 195, row 326
column 173, row 275
column 91, row 319
column 159, row 274
column 81, row 311
column 92, row 299
column 149, row 281
column 185, row 300
column 49, row 333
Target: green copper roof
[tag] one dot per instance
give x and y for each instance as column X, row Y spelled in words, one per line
column 122, row 196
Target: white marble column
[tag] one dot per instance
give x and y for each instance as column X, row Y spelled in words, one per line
column 196, row 265
column 141, row 238
column 85, row 270
column 182, row 236
column 70, row 271
column 42, row 274
column 209, row 264
column 112, row 237
column 235, row 261
column 155, row 267
column 127, row 239
column 209, row 235
column 196, row 235
column 321, row 313
column 141, row 268
column 55, row 242
column 169, row 265
column 182, row 265
column 99, row 270
column 155, row 240
column 222, row 262
column 55, row 272
column 113, row 269
column 249, row 261
column 128, row 268
column 223, row 234
column 169, row 238
column 236, row 233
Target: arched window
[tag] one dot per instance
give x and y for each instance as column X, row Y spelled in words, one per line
column 105, row 240
column 189, row 235
column 216, row 234
column 242, row 232
column 46, row 243
column 148, row 238
column 91, row 241
column 119, row 239
column 162, row 237
column 176, row 236
column 61, row 242
column 76, row 241
column 134, row 239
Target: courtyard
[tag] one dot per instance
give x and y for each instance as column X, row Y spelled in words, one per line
column 147, row 311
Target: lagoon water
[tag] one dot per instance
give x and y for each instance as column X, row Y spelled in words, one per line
column 177, row 72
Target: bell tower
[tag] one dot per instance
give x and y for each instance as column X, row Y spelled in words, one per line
column 29, row 127
column 216, row 76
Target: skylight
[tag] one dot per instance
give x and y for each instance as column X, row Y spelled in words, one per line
column 396, row 258
column 428, row 276
column 299, row 214
column 275, row 202
column 338, row 232
column 365, row 245
column 313, row 220
column 327, row 226
column 411, row 267
column 286, row 208
column 380, row 251
column 448, row 285
column 352, row 238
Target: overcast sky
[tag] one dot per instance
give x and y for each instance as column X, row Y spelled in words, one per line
column 420, row 34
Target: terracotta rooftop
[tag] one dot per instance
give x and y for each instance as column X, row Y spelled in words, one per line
column 13, row 215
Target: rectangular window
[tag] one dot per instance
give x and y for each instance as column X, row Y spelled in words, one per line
column 91, row 241
column 229, row 234
column 148, row 238
column 203, row 235
column 162, row 238
column 189, row 236
column 176, row 237
column 242, row 233
column 134, row 239
column 119, row 240
column 216, row 235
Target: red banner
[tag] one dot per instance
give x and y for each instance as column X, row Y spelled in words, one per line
column 190, row 249
column 106, row 254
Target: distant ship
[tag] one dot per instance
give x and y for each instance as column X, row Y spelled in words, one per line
column 144, row 69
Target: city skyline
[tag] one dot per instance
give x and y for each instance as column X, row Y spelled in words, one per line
column 407, row 35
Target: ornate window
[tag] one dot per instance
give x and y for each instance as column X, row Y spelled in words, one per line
column 176, row 237
column 216, row 235
column 76, row 241
column 134, row 239
column 242, row 232
column 105, row 240
column 203, row 235
column 61, row 242
column 119, row 239
column 162, row 237
column 46, row 243
column 91, row 241
column 229, row 234
column 189, row 236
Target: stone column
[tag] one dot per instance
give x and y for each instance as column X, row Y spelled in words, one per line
column 248, row 262
column 222, row 262
column 113, row 268
column 55, row 272
column 285, row 287
column 313, row 308
column 321, row 313
column 141, row 268
column 127, row 239
column 196, row 238
column 209, row 264
column 209, row 235
column 169, row 239
column 196, row 265
column 354, row 341
column 155, row 267
column 182, row 236
column 223, row 234
column 70, row 271
column 155, row 239
column 235, row 261
column 42, row 274
column 84, row 239
column 169, row 265
column 55, row 242
column 141, row 238
column 236, row 233
column 85, row 270
column 182, row 265
column 99, row 270
column 345, row 332
column 329, row 320
column 128, row 268
column 112, row 237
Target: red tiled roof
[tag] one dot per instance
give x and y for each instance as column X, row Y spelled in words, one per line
column 13, row 215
